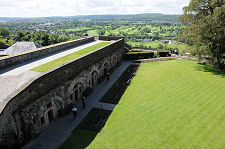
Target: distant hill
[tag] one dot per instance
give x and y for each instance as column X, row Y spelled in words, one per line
column 153, row 17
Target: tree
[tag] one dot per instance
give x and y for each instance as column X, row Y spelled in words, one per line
column 3, row 45
column 4, row 32
column 205, row 21
column 160, row 46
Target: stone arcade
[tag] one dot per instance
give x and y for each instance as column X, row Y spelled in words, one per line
column 38, row 102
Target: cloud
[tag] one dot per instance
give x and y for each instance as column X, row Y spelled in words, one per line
column 43, row 8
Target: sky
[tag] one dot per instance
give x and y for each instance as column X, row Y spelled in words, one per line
column 44, row 8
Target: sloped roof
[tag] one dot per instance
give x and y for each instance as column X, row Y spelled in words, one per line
column 20, row 47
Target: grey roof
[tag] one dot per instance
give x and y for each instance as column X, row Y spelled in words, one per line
column 20, row 47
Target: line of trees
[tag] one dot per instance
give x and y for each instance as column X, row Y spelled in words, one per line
column 7, row 38
column 205, row 31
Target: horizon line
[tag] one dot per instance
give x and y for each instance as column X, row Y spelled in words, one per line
column 90, row 15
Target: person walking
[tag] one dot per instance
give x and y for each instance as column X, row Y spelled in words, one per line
column 74, row 110
column 83, row 102
column 107, row 75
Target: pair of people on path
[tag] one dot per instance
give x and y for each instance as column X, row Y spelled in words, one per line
column 74, row 109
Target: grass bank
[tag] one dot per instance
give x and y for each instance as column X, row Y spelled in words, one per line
column 67, row 58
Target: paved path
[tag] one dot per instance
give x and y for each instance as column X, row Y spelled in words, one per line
column 21, row 68
column 60, row 129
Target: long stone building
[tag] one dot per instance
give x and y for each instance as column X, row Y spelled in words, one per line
column 38, row 98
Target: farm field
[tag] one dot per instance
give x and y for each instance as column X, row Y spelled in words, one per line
column 148, row 44
column 137, row 31
column 170, row 104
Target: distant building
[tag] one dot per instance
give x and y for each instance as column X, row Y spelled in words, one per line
column 19, row 47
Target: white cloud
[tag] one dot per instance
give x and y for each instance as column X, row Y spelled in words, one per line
column 41, row 8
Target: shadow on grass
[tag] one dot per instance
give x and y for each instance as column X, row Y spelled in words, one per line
column 210, row 68
column 79, row 139
column 87, row 129
column 118, row 88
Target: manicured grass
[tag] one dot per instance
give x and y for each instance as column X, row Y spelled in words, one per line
column 183, row 48
column 92, row 33
column 67, row 58
column 152, row 44
column 87, row 129
column 79, row 139
column 171, row 104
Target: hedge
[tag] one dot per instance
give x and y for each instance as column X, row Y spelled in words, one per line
column 118, row 88
column 163, row 53
column 138, row 55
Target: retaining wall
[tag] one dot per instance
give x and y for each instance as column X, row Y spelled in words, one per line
column 108, row 38
column 52, row 81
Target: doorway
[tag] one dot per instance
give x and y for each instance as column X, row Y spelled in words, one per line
column 50, row 115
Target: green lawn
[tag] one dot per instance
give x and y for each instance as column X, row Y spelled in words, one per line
column 183, row 48
column 86, row 130
column 92, row 33
column 175, row 104
column 152, row 44
column 79, row 139
column 67, row 58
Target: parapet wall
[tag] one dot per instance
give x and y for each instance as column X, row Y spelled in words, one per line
column 108, row 38
column 53, row 78
column 8, row 61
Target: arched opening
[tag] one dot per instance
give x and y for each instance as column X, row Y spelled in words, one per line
column 106, row 68
column 50, row 115
column 114, row 61
column 94, row 77
column 77, row 91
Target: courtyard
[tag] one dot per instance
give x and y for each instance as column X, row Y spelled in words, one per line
column 171, row 104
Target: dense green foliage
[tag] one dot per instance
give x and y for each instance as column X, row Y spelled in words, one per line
column 206, row 29
column 67, row 58
column 136, row 28
column 163, row 53
column 41, row 38
column 170, row 104
column 7, row 38
column 4, row 32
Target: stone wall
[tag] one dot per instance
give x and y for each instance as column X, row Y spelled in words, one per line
column 29, row 111
column 108, row 38
column 7, row 61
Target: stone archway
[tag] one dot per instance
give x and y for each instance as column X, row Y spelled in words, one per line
column 94, row 77
column 105, row 68
column 114, row 61
column 78, row 91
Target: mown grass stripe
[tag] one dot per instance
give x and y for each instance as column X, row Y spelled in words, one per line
column 171, row 104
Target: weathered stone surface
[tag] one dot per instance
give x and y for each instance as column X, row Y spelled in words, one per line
column 51, row 94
